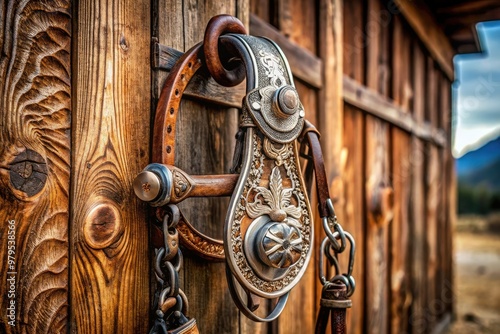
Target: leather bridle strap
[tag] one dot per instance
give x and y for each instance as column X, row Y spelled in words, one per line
column 312, row 135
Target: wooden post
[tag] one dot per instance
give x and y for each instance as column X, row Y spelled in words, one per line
column 402, row 94
column 35, row 78
column 377, row 189
column 111, row 113
column 417, row 225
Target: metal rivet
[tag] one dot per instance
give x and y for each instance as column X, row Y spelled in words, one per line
column 256, row 105
column 302, row 113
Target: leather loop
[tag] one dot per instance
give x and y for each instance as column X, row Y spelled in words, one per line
column 217, row 26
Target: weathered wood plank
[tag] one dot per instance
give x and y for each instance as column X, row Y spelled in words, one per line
column 447, row 295
column 110, row 280
column 35, row 120
column 354, row 220
column 400, row 250
column 401, row 163
column 417, row 225
column 377, row 238
column 304, row 64
column 430, row 33
column 375, row 104
column 432, row 202
column 354, row 41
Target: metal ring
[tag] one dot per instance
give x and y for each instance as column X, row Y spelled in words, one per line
column 217, row 26
column 157, row 265
column 172, row 279
column 351, row 287
column 280, row 305
column 333, row 261
column 177, row 260
column 172, row 217
column 339, row 248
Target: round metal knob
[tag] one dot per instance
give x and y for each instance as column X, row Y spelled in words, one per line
column 285, row 101
column 279, row 245
column 154, row 184
column 147, row 186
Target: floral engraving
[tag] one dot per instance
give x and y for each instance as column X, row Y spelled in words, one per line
column 274, row 201
column 274, row 70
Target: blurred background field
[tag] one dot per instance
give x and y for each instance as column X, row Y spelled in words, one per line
column 477, row 274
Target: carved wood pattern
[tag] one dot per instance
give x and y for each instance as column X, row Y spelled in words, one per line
column 35, row 161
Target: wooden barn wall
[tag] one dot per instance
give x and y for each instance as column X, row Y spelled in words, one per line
column 404, row 277
column 78, row 97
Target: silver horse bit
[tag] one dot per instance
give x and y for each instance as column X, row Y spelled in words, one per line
column 268, row 231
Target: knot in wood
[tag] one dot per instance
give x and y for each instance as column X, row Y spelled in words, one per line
column 102, row 226
column 28, row 172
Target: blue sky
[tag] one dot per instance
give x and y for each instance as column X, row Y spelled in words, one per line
column 477, row 92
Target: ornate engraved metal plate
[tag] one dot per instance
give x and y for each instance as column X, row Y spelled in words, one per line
column 269, row 230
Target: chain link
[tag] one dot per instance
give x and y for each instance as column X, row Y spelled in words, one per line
column 171, row 303
column 335, row 243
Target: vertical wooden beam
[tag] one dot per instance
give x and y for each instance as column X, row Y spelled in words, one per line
column 417, row 226
column 35, row 76
column 353, row 66
column 376, row 187
column 110, row 267
column 433, row 179
column 401, row 163
column 447, row 293
column 354, row 218
column 354, row 43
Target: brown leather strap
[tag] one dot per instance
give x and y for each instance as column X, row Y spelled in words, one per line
column 217, row 26
column 322, row 320
column 334, row 302
column 312, row 135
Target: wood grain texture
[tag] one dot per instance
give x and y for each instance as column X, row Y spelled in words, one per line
column 35, row 162
column 386, row 109
column 417, row 217
column 354, row 219
column 401, row 161
column 354, row 41
column 430, row 33
column 377, row 171
column 399, row 234
column 110, row 267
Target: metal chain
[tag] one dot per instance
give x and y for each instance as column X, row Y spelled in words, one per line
column 334, row 244
column 170, row 302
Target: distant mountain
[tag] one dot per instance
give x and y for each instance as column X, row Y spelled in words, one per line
column 479, row 180
column 487, row 177
column 473, row 161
